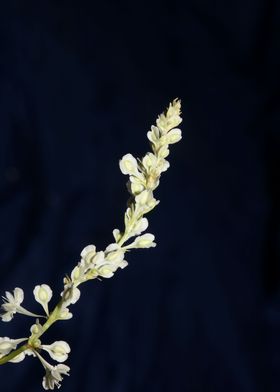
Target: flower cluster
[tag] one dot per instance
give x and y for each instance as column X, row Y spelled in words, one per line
column 58, row 350
column 144, row 176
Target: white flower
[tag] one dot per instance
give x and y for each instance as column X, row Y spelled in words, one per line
column 90, row 272
column 135, row 186
column 43, row 295
column 75, row 274
column 143, row 241
column 136, row 183
column 64, row 314
column 12, row 302
column 70, row 295
column 117, row 234
column 98, row 259
column 107, row 270
column 58, row 350
column 114, row 259
column 36, row 329
column 173, row 136
column 163, row 165
column 140, row 226
column 163, row 151
column 53, row 376
column 137, row 228
column 12, row 305
column 145, row 201
column 76, row 293
column 7, row 345
column 143, row 198
column 78, row 273
column 128, row 165
column 149, row 161
column 128, row 216
column 88, row 253
column 154, row 135
column 172, row 117
column 114, row 253
column 112, row 247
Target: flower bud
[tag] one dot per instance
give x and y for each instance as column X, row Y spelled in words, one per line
column 128, row 164
column 58, row 350
column 43, row 295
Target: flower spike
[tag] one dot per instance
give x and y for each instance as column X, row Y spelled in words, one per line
column 143, row 178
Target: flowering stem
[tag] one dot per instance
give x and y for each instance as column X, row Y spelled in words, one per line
column 32, row 342
column 13, row 354
column 127, row 231
column 51, row 320
column 144, row 175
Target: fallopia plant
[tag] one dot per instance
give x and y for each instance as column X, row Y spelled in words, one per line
column 144, row 175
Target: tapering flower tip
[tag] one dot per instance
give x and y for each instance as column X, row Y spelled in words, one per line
column 7, row 345
column 88, row 253
column 43, row 295
column 172, row 117
column 174, row 108
column 143, row 241
column 11, row 303
column 53, row 376
column 58, row 350
column 128, row 165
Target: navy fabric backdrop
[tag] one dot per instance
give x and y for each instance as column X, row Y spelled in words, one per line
column 80, row 84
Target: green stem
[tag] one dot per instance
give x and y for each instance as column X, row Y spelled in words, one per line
column 13, row 354
column 50, row 321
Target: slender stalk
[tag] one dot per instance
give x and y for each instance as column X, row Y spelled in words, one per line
column 104, row 264
column 50, row 321
column 13, row 354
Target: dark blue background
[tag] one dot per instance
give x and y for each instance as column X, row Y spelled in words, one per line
column 80, row 84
